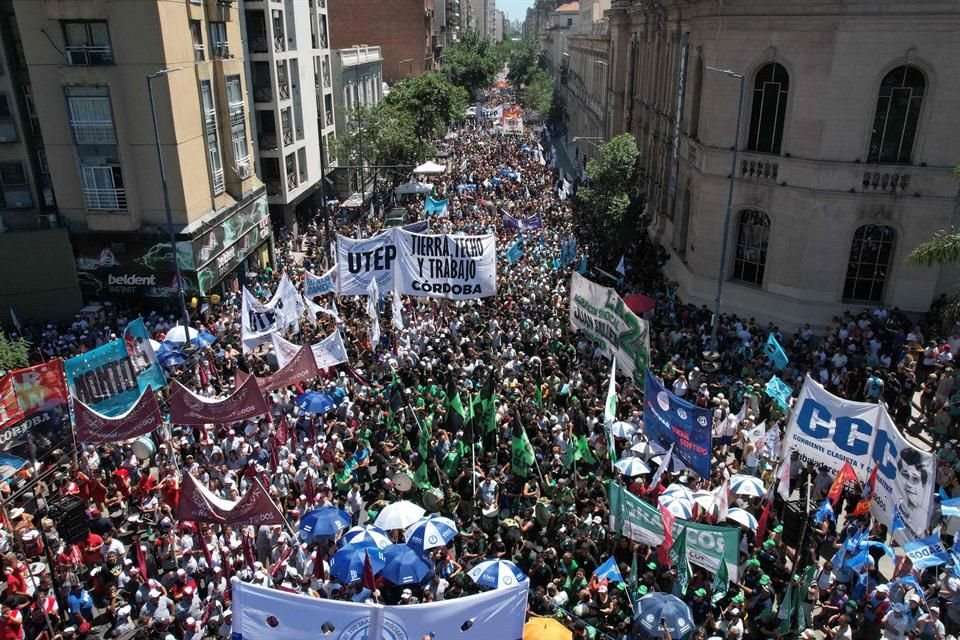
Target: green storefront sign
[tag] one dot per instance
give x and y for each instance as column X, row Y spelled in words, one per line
column 641, row 522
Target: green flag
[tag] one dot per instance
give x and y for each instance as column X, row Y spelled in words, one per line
column 521, row 451
column 426, row 432
column 420, row 478
column 786, row 612
column 721, row 582
column 488, row 408
column 805, row 582
column 678, row 557
column 579, row 450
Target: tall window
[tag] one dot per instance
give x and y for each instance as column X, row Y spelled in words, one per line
column 87, row 43
column 753, row 234
column 90, row 115
column 869, row 263
column 210, row 131
column 14, row 191
column 898, row 111
column 196, row 32
column 769, row 108
column 694, row 128
column 8, row 131
column 218, row 40
column 91, row 120
column 238, row 128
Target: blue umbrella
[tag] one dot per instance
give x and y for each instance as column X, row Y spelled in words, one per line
column 314, row 402
column 347, row 563
column 324, row 522
column 368, row 536
column 431, row 532
column 204, row 339
column 653, row 608
column 404, row 565
column 171, row 358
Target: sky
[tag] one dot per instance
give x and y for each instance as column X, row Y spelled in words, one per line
column 514, row 9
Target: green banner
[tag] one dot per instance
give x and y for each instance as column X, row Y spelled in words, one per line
column 641, row 522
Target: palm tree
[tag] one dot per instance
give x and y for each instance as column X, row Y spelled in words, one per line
column 943, row 248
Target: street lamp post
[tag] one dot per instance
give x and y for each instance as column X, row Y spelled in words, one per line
column 721, row 272
column 166, row 196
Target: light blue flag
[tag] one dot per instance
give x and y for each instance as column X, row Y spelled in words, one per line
column 435, row 207
column 875, row 543
column 609, row 570
column 825, row 511
column 950, row 508
column 514, row 253
column 775, row 352
column 779, row 391
column 573, row 250
column 857, row 560
column 926, row 552
column 582, row 269
column 897, row 523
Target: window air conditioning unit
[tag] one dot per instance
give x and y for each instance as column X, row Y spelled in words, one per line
column 243, row 171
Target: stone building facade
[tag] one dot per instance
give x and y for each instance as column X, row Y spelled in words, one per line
column 845, row 154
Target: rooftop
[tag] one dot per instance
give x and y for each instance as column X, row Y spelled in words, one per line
column 568, row 7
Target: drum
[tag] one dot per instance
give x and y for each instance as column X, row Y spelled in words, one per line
column 491, row 516
column 403, row 481
column 32, row 542
column 541, row 512
column 144, row 448
column 432, row 499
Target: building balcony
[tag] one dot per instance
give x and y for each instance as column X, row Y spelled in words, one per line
column 279, row 44
column 259, row 44
column 94, row 132
column 328, row 118
column 105, row 199
column 262, row 93
column 292, row 181
column 283, row 89
column 267, row 142
column 288, row 138
column 218, row 182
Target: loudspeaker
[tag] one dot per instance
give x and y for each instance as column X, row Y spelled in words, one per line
column 69, row 512
column 794, row 515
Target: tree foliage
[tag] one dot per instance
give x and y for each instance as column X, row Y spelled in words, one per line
column 524, row 61
column 384, row 134
column 429, row 101
column 941, row 249
column 13, row 353
column 611, row 178
column 538, row 94
column 472, row 62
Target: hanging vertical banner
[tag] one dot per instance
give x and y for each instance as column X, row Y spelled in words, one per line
column 446, row 266
column 669, row 420
column 828, row 430
column 110, row 378
column 600, row 313
column 359, row 261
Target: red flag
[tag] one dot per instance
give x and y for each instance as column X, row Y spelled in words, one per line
column 142, row 561
column 663, row 553
column 369, row 580
column 847, row 474
column 318, row 571
column 762, row 522
column 206, row 550
column 863, row 506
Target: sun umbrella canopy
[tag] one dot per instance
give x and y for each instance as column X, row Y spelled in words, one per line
column 639, row 303
column 622, row 429
column 676, row 465
column 632, row 467
column 399, row 515
column 324, row 522
column 178, row 335
column 404, row 565
column 496, row 574
column 674, row 612
column 431, row 532
column 744, row 485
column 647, row 449
column 314, row 402
column 347, row 563
column 706, row 500
column 742, row 517
column 366, row 536
column 430, row 168
column 546, row 629
column 678, row 505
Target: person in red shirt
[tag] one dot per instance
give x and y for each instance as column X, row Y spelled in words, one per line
column 91, row 549
column 16, row 592
column 11, row 624
column 170, row 489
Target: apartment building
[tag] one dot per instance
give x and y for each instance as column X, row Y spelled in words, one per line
column 358, row 83
column 90, row 62
column 287, row 47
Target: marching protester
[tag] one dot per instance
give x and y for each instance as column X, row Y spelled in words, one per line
column 517, row 434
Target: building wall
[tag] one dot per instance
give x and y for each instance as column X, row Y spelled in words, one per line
column 402, row 29
column 145, row 36
column 358, row 82
column 37, row 275
column 819, row 188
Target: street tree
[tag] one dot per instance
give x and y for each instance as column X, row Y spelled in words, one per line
column 524, row 61
column 538, row 94
column 429, row 101
column 13, row 353
column 611, row 178
column 943, row 248
column 472, row 62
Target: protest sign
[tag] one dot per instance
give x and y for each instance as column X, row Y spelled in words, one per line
column 670, row 420
column 318, row 285
column 359, row 261
column 258, row 320
column 199, row 504
column 600, row 313
column 187, row 408
column 828, row 430
column 327, row 353
column 142, row 418
column 522, row 224
column 456, row 267
column 926, row 552
column 641, row 522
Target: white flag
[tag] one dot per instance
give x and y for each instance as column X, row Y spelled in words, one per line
column 313, row 309
column 373, row 303
column 15, row 320
column 721, row 500
column 284, row 350
column 783, row 487
column 664, row 465
column 610, row 408
column 771, row 441
column 397, row 318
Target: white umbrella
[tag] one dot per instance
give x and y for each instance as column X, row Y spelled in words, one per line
column 622, row 429
column 632, row 467
column 679, row 490
column 365, row 536
column 156, row 346
column 644, row 449
column 178, row 335
column 677, row 505
column 430, row 168
column 744, row 485
column 704, row 499
column 399, row 515
column 496, row 574
column 742, row 517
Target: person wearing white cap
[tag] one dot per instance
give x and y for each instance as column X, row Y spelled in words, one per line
column 895, row 623
column 158, row 610
column 226, row 627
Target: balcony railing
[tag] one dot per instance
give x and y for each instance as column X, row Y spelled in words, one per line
column 279, row 44
column 105, row 199
column 262, row 93
column 94, row 132
column 210, row 120
column 218, row 183
column 288, row 136
column 283, row 88
column 267, row 141
column 199, row 53
column 258, row 44
column 243, row 167
column 89, row 55
column 221, row 50
column 273, row 187
column 236, row 112
column 292, row 181
column 329, row 118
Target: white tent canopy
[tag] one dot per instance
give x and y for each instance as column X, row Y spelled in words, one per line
column 413, row 187
column 430, row 169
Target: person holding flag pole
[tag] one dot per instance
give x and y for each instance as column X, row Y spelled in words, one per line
column 610, row 413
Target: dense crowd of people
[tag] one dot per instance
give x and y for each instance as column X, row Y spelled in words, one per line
column 140, row 572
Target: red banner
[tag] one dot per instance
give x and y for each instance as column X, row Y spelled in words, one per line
column 187, row 408
column 301, row 367
column 199, row 504
column 142, row 418
column 32, row 390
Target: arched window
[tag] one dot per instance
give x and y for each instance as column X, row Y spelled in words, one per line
column 869, row 263
column 769, row 108
column 753, row 234
column 898, row 111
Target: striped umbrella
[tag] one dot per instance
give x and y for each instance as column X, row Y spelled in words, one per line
column 742, row 517
column 678, row 505
column 631, row 467
column 431, row 532
column 496, row 574
column 744, row 485
column 366, row 536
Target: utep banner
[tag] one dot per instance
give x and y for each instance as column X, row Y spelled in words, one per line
column 110, row 378
column 300, row 368
column 199, row 504
column 260, row 613
column 92, row 427
column 446, row 266
column 360, row 261
column 600, row 313
column 281, row 312
column 670, row 420
column 25, row 392
column 318, row 285
column 829, row 431
column 187, row 408
column 641, row 522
